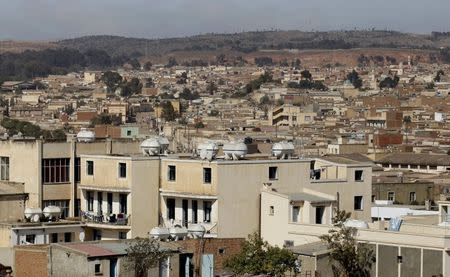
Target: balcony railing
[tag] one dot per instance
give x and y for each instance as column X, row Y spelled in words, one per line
column 113, row 219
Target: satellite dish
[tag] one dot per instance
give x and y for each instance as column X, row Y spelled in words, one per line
column 81, row 236
column 36, row 218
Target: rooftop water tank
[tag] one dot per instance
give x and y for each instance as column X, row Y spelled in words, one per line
column 359, row 224
column 235, row 150
column 160, row 233
column 52, row 212
column 151, row 147
column 33, row 214
column 196, row 230
column 164, row 142
column 85, row 135
column 178, row 232
column 207, row 151
column 283, row 150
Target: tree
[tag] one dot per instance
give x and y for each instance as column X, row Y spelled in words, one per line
column 112, row 80
column 354, row 79
column 143, row 254
column 296, row 63
column 135, row 64
column 106, row 119
column 168, row 112
column 389, row 82
column 172, row 62
column 440, row 73
column 211, row 88
column 258, row 257
column 352, row 259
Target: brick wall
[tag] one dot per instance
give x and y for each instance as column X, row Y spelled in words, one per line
column 30, row 261
column 213, row 246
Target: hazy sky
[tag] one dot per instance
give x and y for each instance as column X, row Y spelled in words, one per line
column 56, row 19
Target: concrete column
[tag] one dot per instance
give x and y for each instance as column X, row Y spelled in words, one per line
column 73, row 185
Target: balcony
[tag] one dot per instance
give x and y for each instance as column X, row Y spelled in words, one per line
column 119, row 219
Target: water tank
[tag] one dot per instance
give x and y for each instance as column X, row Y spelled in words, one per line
column 160, row 233
column 51, row 212
column 196, row 230
column 235, row 150
column 359, row 224
column 33, row 214
column 207, row 151
column 85, row 135
column 164, row 142
column 178, row 232
column 283, row 150
column 151, row 147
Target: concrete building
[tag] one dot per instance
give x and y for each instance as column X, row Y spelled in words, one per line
column 50, row 171
column 119, row 195
column 290, row 115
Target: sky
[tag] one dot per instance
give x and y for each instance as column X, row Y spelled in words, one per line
column 59, row 19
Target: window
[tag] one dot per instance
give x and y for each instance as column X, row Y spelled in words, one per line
column 294, row 118
column 97, row 234
column 90, row 168
column 123, row 203
column 30, row 238
column 77, row 170
column 67, row 237
column 90, row 201
column 171, row 208
column 271, row 210
column 122, row 235
column 207, row 175
column 63, row 204
column 54, row 238
column 412, row 197
column 295, row 213
column 4, row 168
column 207, row 211
column 194, row 211
column 273, row 173
column 171, row 173
column 320, row 211
column 391, row 196
column 433, row 167
column 100, row 202
column 307, row 118
column 359, row 175
column 98, row 269
column 128, row 133
column 109, row 199
column 122, row 170
column 358, row 203
column 55, row 170
column 373, row 198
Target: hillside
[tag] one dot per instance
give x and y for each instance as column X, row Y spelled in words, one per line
column 252, row 41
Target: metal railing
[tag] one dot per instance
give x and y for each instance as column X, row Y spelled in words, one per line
column 113, row 219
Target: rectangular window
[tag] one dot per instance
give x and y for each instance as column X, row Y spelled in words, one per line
column 171, row 175
column 207, row 175
column 122, row 235
column 100, row 202
column 30, row 238
column 122, row 170
column 433, row 167
column 184, row 214
column 67, row 237
column 194, row 211
column 90, row 201
column 273, row 173
column 123, row 203
column 320, row 211
column 90, row 168
column 391, row 196
column 412, row 197
column 271, row 210
column 207, row 211
column 295, row 213
column 97, row 234
column 109, row 199
column 358, row 203
column 170, row 208
column 98, row 269
column 55, row 171
column 4, row 168
column 359, row 175
column 77, row 170
column 54, row 238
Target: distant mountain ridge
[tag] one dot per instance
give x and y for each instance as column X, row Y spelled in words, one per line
column 248, row 42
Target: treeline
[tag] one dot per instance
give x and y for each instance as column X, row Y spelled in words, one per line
column 30, row 64
column 28, row 129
